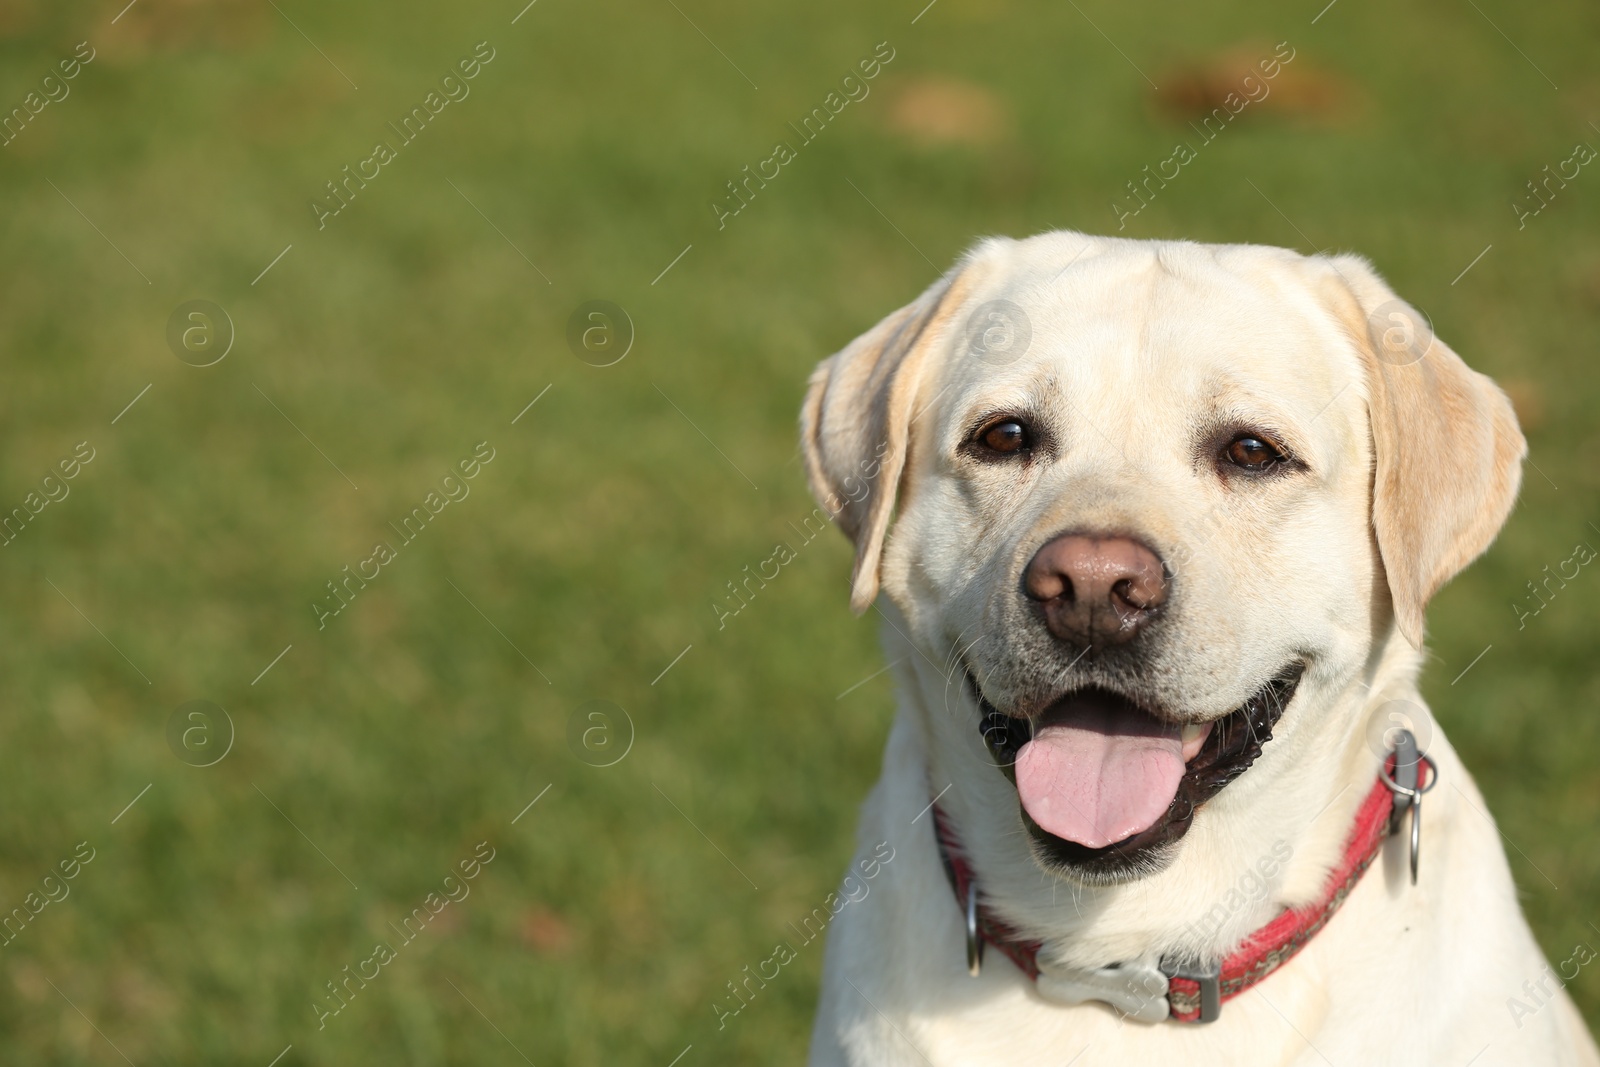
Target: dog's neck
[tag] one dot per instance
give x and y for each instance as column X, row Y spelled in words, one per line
column 1267, row 841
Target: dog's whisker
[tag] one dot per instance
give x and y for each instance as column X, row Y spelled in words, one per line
column 953, row 657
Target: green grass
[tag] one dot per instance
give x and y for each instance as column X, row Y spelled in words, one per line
column 408, row 330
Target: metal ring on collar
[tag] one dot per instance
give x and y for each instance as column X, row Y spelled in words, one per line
column 1394, row 786
column 974, row 938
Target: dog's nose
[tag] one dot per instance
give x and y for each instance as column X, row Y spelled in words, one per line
column 1096, row 590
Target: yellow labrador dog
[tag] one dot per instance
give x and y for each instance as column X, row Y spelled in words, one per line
column 1166, row 518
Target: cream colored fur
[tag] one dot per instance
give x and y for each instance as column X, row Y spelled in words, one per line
column 1135, row 349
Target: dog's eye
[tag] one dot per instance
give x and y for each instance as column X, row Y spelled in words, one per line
column 1253, row 453
column 1005, row 437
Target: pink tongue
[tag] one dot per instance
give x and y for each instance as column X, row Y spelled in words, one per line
column 1101, row 773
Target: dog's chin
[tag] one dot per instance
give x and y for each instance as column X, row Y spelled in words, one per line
column 1233, row 743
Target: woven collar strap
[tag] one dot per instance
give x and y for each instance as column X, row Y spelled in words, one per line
column 1196, row 995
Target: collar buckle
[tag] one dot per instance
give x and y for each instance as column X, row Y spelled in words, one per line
column 1207, row 997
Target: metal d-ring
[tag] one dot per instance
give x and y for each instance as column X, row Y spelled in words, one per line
column 974, row 938
column 1407, row 761
column 1409, row 792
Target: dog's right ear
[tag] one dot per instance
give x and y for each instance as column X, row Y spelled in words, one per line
column 856, row 422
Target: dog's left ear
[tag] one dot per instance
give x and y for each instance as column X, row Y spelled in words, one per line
column 1448, row 451
column 855, row 425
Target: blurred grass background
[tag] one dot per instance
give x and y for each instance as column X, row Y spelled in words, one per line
column 416, row 724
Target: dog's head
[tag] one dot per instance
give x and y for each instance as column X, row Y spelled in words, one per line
column 1144, row 493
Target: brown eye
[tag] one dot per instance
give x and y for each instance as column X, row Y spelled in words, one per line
column 1006, row 437
column 1252, row 453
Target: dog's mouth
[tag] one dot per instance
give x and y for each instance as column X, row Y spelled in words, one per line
column 1104, row 783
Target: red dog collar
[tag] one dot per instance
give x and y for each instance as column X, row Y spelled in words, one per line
column 1196, row 994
